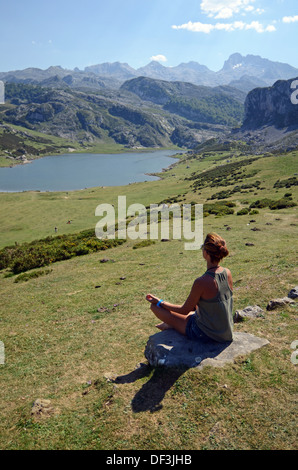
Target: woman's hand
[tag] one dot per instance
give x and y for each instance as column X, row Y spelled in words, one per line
column 152, row 299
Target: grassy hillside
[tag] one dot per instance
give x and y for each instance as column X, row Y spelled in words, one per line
column 75, row 333
column 17, row 142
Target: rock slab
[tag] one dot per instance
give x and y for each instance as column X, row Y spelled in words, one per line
column 171, row 349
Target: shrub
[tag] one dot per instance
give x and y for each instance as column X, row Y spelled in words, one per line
column 243, row 212
column 237, row 189
column 143, row 243
column 219, row 208
column 39, row 253
column 223, row 175
column 261, row 203
column 27, row 276
column 292, row 181
column 282, row 204
column 273, row 205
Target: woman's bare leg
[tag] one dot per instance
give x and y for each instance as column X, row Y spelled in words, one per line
column 163, row 326
column 170, row 319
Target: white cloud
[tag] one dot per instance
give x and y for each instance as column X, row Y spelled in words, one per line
column 159, row 58
column 196, row 27
column 260, row 28
column 259, row 11
column 270, row 28
column 236, row 25
column 224, row 13
column 290, row 19
column 222, row 9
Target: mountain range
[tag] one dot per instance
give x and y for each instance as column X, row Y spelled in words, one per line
column 240, row 72
column 115, row 104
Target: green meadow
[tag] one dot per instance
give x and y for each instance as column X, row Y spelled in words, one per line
column 75, row 330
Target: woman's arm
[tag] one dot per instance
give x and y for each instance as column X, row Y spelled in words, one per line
column 188, row 306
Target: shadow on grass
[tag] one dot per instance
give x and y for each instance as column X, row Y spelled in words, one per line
column 177, row 350
column 150, row 396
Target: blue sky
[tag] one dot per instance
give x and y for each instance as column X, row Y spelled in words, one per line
column 78, row 33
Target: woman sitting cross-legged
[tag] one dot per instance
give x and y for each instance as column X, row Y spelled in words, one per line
column 207, row 312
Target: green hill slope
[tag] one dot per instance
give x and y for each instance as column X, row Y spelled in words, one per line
column 196, row 103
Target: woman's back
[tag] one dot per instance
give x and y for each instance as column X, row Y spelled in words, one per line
column 214, row 315
column 210, row 282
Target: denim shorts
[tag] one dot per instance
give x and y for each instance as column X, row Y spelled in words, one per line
column 195, row 333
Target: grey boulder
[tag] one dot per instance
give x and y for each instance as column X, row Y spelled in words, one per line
column 172, row 349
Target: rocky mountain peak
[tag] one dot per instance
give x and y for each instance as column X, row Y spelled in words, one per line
column 234, row 60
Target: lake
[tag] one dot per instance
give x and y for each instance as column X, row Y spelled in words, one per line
column 70, row 172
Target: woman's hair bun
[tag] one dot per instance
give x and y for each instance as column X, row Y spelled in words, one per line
column 215, row 246
column 224, row 251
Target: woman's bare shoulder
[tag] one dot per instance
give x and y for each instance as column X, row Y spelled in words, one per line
column 228, row 272
column 230, row 279
column 203, row 280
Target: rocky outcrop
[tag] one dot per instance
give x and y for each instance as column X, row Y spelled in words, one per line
column 273, row 106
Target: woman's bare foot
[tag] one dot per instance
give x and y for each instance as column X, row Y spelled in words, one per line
column 163, row 326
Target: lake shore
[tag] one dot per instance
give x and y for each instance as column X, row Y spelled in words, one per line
column 9, row 161
column 76, row 171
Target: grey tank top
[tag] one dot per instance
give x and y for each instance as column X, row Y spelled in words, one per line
column 215, row 316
